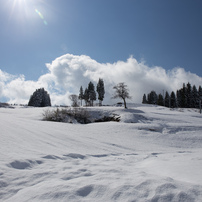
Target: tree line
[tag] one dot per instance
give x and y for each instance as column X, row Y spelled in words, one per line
column 41, row 98
column 185, row 97
column 89, row 94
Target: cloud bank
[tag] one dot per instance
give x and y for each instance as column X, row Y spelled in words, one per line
column 67, row 73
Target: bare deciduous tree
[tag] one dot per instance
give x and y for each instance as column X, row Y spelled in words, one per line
column 74, row 99
column 121, row 91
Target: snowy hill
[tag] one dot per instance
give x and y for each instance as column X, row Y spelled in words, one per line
column 152, row 154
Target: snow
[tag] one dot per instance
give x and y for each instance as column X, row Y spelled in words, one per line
column 152, row 154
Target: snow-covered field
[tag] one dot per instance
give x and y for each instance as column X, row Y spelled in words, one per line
column 153, row 154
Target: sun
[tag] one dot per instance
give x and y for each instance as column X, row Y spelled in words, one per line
column 19, row 8
column 26, row 10
column 25, row 3
column 19, row 3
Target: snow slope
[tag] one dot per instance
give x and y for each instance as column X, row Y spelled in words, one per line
column 153, row 154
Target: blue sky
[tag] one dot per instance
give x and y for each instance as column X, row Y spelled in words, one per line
column 159, row 32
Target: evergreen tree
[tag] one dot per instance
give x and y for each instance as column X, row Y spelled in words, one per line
column 40, row 98
column 178, row 98
column 189, row 95
column 172, row 100
column 195, row 100
column 86, row 96
column 100, row 91
column 200, row 92
column 152, row 97
column 81, row 94
column 144, row 99
column 92, row 93
column 160, row 100
column 184, row 96
column 200, row 97
column 148, row 98
column 167, row 100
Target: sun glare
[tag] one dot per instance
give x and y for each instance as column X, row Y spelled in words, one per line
column 20, row 9
column 24, row 10
column 19, row 3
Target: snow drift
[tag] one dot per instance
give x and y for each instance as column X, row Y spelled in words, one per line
column 152, row 154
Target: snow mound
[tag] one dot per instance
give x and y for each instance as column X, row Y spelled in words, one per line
column 116, row 114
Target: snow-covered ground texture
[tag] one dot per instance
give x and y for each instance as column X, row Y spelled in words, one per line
column 152, row 154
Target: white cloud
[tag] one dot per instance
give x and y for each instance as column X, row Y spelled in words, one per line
column 18, row 90
column 68, row 72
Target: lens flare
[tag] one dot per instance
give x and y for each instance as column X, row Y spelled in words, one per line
column 41, row 16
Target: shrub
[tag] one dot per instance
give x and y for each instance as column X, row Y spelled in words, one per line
column 69, row 115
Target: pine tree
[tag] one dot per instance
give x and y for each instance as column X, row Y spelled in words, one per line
column 195, row 100
column 178, row 98
column 160, row 100
column 189, row 95
column 152, row 97
column 200, row 92
column 200, row 97
column 100, row 91
column 40, row 98
column 184, row 96
column 144, row 99
column 148, row 98
column 167, row 100
column 86, row 96
column 172, row 100
column 81, row 94
column 92, row 93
